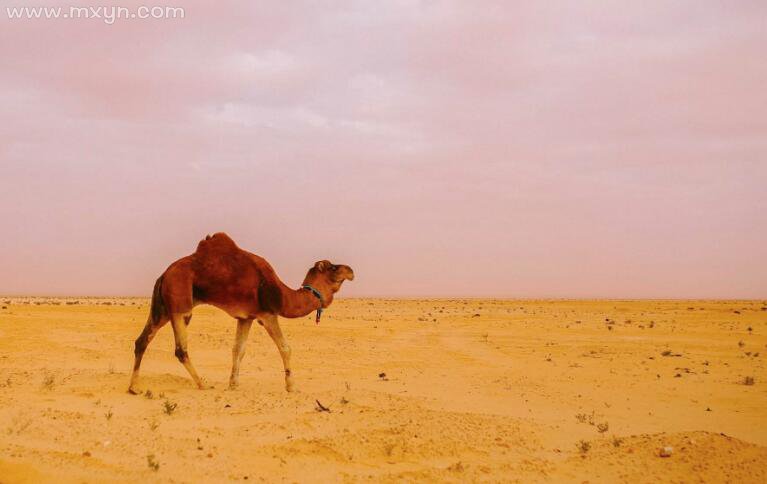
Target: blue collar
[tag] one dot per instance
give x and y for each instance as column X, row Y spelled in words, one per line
column 318, row 294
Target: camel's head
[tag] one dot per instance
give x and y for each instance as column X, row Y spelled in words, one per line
column 327, row 278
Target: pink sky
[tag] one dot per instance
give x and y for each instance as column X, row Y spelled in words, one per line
column 573, row 149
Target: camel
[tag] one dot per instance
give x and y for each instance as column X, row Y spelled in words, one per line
column 246, row 287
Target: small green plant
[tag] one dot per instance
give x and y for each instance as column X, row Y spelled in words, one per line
column 169, row 407
column 153, row 425
column 148, row 394
column 749, row 380
column 603, row 427
column 617, row 441
column 152, row 462
column 583, row 446
column 109, row 415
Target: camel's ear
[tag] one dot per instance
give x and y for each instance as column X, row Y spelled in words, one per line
column 322, row 265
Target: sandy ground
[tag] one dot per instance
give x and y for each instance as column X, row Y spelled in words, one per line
column 474, row 390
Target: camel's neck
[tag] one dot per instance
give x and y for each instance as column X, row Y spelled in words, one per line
column 297, row 303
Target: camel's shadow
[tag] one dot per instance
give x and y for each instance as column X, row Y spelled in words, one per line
column 164, row 383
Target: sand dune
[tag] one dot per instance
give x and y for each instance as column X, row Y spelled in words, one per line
column 474, row 390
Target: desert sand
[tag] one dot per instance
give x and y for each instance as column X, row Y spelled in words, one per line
column 417, row 390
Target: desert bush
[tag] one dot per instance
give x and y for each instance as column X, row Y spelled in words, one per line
column 48, row 382
column 583, row 446
column 152, row 462
column 169, row 407
column 586, row 418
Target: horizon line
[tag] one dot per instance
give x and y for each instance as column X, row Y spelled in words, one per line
column 441, row 297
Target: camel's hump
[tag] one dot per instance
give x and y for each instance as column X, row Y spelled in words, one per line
column 216, row 242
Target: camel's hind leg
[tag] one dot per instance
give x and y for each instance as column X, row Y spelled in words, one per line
column 238, row 350
column 146, row 336
column 179, row 323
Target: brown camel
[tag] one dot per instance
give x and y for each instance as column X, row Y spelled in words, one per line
column 245, row 286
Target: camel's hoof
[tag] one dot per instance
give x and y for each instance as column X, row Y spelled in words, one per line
column 205, row 386
column 133, row 391
column 233, row 386
column 290, row 387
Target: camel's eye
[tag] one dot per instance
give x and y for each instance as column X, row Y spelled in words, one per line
column 334, row 268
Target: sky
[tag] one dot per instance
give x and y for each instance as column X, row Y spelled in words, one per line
column 503, row 149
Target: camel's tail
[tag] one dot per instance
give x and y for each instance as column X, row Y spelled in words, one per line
column 158, row 305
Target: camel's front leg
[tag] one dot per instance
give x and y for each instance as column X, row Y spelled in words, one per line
column 273, row 328
column 238, row 351
column 179, row 322
column 146, row 337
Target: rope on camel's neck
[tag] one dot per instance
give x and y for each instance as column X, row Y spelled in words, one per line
column 318, row 294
